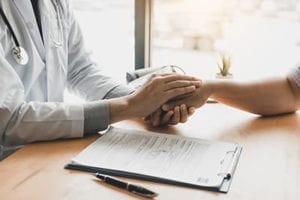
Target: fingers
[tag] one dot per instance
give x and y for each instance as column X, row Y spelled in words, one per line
column 170, row 94
column 159, row 119
column 176, row 116
column 170, row 81
column 183, row 113
column 181, row 83
column 167, row 117
column 179, row 114
column 175, row 77
column 170, row 86
column 155, row 117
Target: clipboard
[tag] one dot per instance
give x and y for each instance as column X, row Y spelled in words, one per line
column 228, row 163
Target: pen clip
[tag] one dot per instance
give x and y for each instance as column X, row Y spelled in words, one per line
column 141, row 191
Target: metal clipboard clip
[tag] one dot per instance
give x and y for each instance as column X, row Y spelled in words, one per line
column 229, row 162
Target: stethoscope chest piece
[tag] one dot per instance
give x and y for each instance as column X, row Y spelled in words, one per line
column 20, row 55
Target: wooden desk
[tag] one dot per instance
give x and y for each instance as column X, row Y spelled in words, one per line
column 269, row 166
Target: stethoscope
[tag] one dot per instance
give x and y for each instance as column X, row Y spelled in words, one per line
column 19, row 53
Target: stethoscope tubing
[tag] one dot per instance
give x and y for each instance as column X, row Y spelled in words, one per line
column 9, row 27
column 16, row 41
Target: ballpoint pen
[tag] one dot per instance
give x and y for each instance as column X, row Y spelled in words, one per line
column 138, row 190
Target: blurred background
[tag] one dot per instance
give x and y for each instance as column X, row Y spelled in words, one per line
column 262, row 37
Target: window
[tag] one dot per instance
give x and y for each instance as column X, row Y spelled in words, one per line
column 262, row 37
column 108, row 29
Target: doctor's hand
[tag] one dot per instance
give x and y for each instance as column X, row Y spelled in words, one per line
column 147, row 99
column 179, row 114
column 196, row 99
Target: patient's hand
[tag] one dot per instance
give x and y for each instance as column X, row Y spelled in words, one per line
column 179, row 114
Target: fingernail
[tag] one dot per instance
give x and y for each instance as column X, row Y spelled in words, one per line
column 165, row 107
column 171, row 112
column 192, row 88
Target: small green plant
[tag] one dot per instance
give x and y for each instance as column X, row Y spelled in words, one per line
column 224, row 65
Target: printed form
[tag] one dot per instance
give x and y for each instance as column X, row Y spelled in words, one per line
column 170, row 157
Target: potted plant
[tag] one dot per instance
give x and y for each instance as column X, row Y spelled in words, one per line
column 224, row 66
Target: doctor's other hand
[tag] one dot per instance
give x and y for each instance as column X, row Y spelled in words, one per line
column 196, row 99
column 179, row 114
column 147, row 99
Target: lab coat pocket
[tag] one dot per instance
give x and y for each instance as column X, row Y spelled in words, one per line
column 56, row 34
column 58, row 28
column 58, row 38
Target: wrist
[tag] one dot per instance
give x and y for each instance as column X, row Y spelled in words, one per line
column 210, row 87
column 120, row 109
column 216, row 88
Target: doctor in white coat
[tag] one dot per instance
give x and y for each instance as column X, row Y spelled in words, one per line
column 31, row 92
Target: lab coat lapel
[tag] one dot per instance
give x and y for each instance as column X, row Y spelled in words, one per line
column 45, row 21
column 26, row 11
column 51, row 84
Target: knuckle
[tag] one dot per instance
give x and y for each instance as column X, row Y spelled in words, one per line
column 150, row 80
column 153, row 76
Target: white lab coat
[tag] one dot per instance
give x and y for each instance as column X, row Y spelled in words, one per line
column 31, row 96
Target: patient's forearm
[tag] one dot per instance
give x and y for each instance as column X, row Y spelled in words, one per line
column 268, row 97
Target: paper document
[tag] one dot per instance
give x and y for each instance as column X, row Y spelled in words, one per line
column 179, row 159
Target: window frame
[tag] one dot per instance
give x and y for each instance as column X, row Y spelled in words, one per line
column 143, row 25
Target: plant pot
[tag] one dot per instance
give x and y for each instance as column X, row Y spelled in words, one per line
column 220, row 76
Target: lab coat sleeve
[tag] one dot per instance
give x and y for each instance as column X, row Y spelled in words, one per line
column 295, row 74
column 22, row 122
column 96, row 114
column 84, row 76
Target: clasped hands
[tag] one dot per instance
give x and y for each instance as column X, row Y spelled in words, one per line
column 170, row 98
